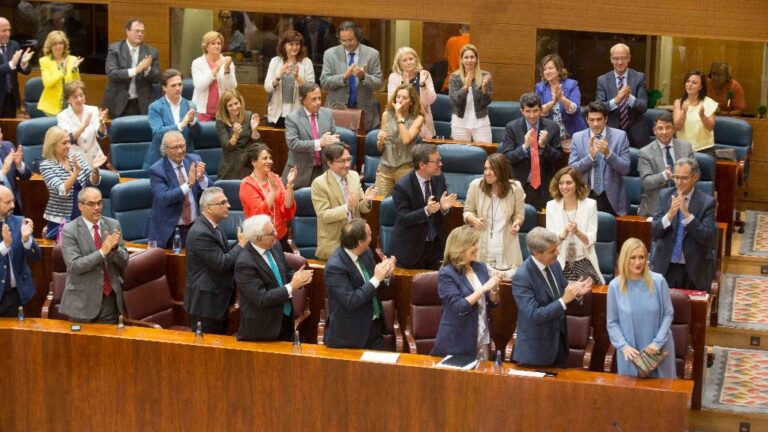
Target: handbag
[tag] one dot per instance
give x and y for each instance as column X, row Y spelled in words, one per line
column 647, row 363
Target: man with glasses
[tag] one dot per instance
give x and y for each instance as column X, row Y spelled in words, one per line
column 684, row 231
column 421, row 200
column 93, row 250
column 17, row 245
column 132, row 67
column 623, row 90
column 177, row 181
column 210, row 287
column 337, row 197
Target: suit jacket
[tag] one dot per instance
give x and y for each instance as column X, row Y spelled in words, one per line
column 85, row 277
column 202, row 79
column 616, row 165
column 5, row 69
column 301, row 145
column 117, row 65
column 606, row 91
column 15, row 173
column 168, row 198
column 651, row 164
column 53, row 83
column 698, row 240
column 161, row 121
column 261, row 296
column 411, row 222
column 457, row 334
column 540, row 316
column 572, row 122
column 331, row 209
column 520, row 159
column 19, row 255
column 332, row 81
column 210, row 286
column 350, row 300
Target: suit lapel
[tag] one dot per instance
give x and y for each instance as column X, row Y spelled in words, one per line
column 334, row 188
column 354, row 269
column 417, row 187
column 262, row 263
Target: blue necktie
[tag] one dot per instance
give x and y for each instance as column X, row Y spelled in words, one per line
column 670, row 162
column 287, row 309
column 597, row 184
column 352, row 80
column 677, row 251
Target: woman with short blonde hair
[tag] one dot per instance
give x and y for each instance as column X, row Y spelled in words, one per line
column 57, row 68
column 86, row 124
column 212, row 75
column 407, row 69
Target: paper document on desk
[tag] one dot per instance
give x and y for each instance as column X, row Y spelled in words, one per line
column 380, row 357
column 526, row 373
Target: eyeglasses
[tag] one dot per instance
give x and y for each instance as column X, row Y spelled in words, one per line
column 619, row 59
column 222, row 202
column 177, row 147
column 681, row 178
column 343, row 161
column 272, row 234
column 93, row 204
column 436, row 161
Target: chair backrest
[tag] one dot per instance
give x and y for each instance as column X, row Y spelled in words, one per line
column 130, row 138
column 208, row 148
column 146, row 293
column 441, row 113
column 606, row 244
column 300, row 300
column 733, row 133
column 681, row 328
column 426, row 308
column 131, row 202
column 389, row 313
column 502, row 112
column 461, row 165
column 351, row 119
column 386, row 224
column 30, row 134
column 32, row 91
column 530, row 222
column 109, row 180
column 304, row 223
column 579, row 317
column 634, row 188
column 707, row 166
column 58, row 283
column 634, row 156
column 349, row 138
column 372, row 158
column 229, row 225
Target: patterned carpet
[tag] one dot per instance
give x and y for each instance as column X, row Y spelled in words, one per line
column 754, row 241
column 738, row 381
column 744, row 301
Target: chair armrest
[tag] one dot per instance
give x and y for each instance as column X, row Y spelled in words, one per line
column 133, row 322
column 379, row 252
column 608, row 362
column 398, row 334
column 409, row 336
column 688, row 367
column 588, row 350
column 714, row 291
column 234, row 318
column 510, row 348
column 48, row 302
column 301, row 318
column 292, row 244
column 321, row 326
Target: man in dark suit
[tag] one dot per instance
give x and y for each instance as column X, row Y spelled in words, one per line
column 623, row 90
column 421, row 200
column 177, row 181
column 13, row 169
column 684, row 231
column 351, row 281
column 95, row 257
column 532, row 146
column 17, row 246
column 132, row 67
column 542, row 295
column 171, row 113
column 308, row 130
column 266, row 284
column 210, row 287
column 656, row 162
column 12, row 61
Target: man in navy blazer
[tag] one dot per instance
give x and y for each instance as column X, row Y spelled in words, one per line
column 171, row 113
column 13, row 168
column 421, row 200
column 177, row 181
column 12, row 61
column 352, row 281
column 18, row 244
column 601, row 154
column 623, row 89
column 542, row 295
column 684, row 230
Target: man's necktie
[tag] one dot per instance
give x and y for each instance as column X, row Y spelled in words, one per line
column 553, row 289
column 431, row 234
column 670, row 162
column 186, row 207
column 352, row 81
column 221, row 238
column 6, row 59
column 107, row 290
column 134, row 63
column 287, row 308
column 375, row 299
column 623, row 109
column 315, row 135
column 597, row 169
column 535, row 169
column 677, row 250
column 345, row 194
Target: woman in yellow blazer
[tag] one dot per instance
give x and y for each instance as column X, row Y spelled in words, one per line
column 57, row 67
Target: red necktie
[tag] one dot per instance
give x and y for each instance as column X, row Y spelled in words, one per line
column 97, row 241
column 315, row 135
column 535, row 170
column 186, row 207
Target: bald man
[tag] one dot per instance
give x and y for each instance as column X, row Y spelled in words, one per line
column 17, row 245
column 12, row 61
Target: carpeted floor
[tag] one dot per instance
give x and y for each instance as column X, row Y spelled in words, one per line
column 754, row 241
column 743, row 301
column 738, row 381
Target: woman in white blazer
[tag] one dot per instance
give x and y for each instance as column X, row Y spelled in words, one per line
column 85, row 124
column 573, row 217
column 287, row 71
column 212, row 75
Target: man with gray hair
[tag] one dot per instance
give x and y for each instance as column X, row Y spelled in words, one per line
column 266, row 284
column 177, row 181
column 542, row 294
column 210, row 286
column 684, row 230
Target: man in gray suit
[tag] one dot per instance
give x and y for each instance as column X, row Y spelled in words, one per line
column 308, row 130
column 95, row 256
column 351, row 73
column 132, row 67
column 656, row 162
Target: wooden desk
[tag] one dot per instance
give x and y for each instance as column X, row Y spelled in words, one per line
column 145, row 379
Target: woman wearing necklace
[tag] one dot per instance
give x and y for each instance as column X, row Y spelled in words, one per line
column 573, row 217
column 694, row 114
column 496, row 207
column 237, row 130
column 212, row 74
column 85, row 123
column 287, row 72
column 57, row 68
column 262, row 192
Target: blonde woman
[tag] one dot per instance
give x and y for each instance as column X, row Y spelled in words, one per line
column 237, row 129
column 288, row 71
column 57, row 68
column 407, row 69
column 639, row 312
column 212, row 75
column 86, row 124
column 471, row 90
column 400, row 125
